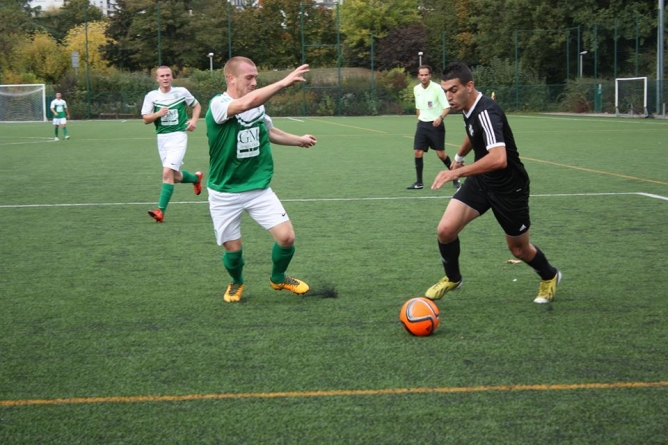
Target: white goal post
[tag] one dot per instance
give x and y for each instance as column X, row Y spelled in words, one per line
column 23, row 103
column 629, row 94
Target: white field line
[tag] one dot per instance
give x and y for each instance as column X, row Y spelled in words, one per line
column 649, row 195
column 31, row 140
column 387, row 198
column 586, row 118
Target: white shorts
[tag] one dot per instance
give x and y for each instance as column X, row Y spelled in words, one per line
column 59, row 121
column 226, row 209
column 172, row 149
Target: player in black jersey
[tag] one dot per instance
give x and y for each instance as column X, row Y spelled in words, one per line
column 495, row 180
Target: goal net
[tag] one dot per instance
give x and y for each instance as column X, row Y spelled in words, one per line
column 631, row 96
column 22, row 103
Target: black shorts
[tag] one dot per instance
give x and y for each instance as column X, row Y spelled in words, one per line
column 510, row 208
column 427, row 136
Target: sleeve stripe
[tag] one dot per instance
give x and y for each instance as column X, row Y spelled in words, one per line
column 486, row 123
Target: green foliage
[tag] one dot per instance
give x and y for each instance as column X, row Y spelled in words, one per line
column 391, row 83
column 58, row 22
column 116, row 92
column 327, row 106
column 190, row 30
column 576, row 97
column 15, row 25
column 41, row 55
column 88, row 40
column 398, row 48
column 499, row 72
column 206, row 84
column 450, row 20
column 499, row 76
column 120, row 54
column 541, row 32
column 487, row 34
column 362, row 18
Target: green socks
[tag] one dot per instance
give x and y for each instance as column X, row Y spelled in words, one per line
column 167, row 189
column 234, row 263
column 65, row 131
column 188, row 178
column 281, row 257
column 165, row 196
column 56, row 130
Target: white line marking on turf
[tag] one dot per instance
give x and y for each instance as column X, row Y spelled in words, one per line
column 27, row 137
column 390, row 198
column 649, row 195
column 296, row 120
column 386, row 198
column 585, row 118
column 6, row 144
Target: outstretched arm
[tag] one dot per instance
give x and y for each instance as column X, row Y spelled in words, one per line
column 261, row 96
column 280, row 137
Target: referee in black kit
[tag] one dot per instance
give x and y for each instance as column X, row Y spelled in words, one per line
column 431, row 108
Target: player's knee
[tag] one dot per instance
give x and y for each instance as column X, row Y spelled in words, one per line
column 169, row 176
column 519, row 252
column 446, row 234
column 284, row 235
column 286, row 240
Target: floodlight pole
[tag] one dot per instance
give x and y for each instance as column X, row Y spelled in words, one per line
column 582, row 53
column 659, row 57
column 420, row 59
column 157, row 9
column 211, row 62
column 87, row 62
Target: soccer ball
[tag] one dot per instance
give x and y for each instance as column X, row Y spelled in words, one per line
column 420, row 316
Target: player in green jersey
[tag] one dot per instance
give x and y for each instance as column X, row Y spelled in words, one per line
column 240, row 172
column 60, row 115
column 166, row 107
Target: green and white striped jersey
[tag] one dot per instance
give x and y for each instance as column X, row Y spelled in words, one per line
column 177, row 100
column 60, row 106
column 240, row 156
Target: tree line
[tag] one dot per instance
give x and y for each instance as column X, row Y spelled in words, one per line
column 542, row 36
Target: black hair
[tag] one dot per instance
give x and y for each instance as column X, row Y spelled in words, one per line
column 457, row 70
column 425, row 67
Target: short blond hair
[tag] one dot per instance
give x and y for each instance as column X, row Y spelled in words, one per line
column 163, row 67
column 232, row 65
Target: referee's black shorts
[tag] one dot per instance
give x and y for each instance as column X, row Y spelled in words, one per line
column 427, row 136
column 510, row 207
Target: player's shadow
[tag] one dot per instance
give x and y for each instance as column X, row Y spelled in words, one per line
column 325, row 290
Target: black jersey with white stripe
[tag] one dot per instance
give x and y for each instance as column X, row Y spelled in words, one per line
column 487, row 127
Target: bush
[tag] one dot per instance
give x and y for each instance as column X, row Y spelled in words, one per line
column 575, row 97
column 390, row 93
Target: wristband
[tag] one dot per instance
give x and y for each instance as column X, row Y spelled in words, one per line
column 459, row 159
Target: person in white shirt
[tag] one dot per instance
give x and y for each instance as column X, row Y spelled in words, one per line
column 60, row 115
column 166, row 107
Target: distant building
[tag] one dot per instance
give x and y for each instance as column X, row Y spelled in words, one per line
column 106, row 6
column 329, row 3
column 109, row 6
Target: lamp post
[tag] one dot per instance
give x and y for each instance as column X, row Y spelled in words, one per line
column 582, row 53
column 157, row 9
column 211, row 62
column 420, row 58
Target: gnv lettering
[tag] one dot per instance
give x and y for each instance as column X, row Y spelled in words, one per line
column 248, row 143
